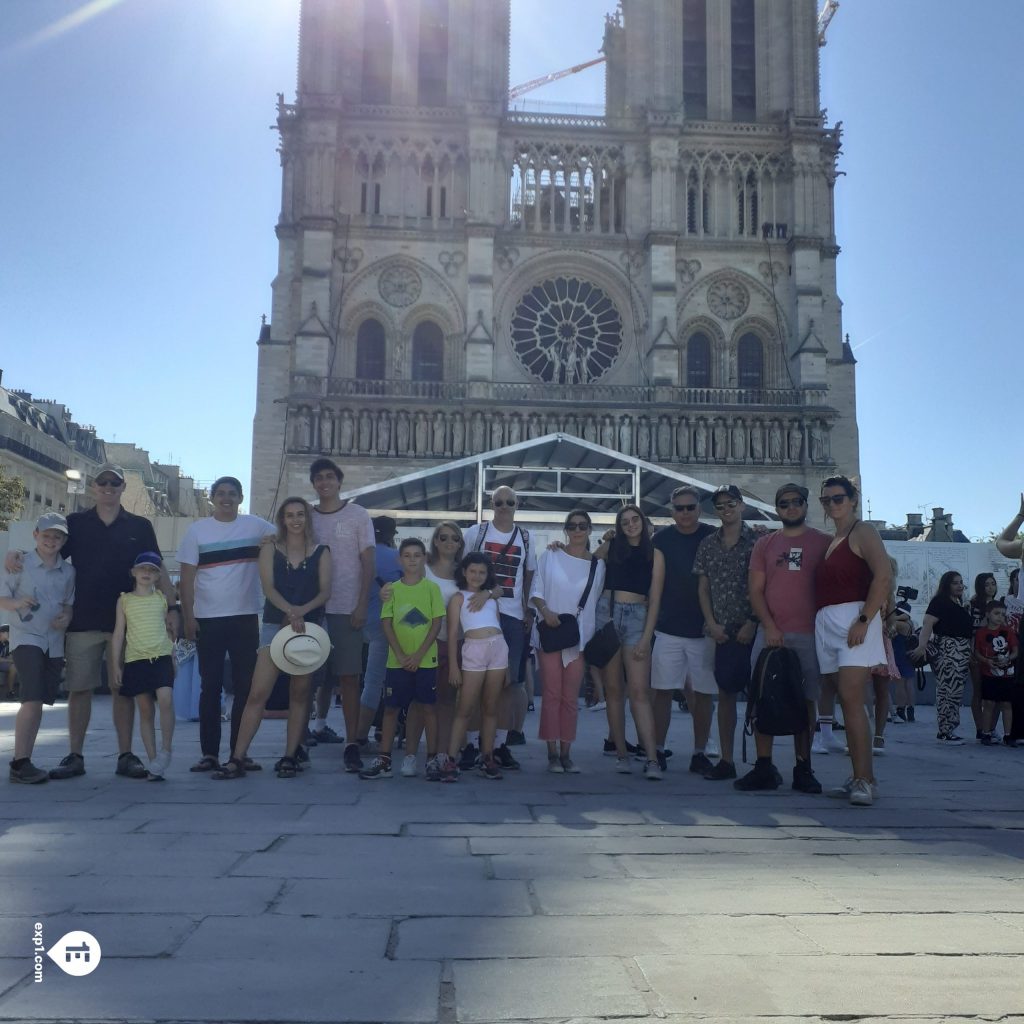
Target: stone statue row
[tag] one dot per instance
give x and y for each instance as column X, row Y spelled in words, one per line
column 440, row 434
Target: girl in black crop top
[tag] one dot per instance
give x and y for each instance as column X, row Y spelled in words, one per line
column 634, row 574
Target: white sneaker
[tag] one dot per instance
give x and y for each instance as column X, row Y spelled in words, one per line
column 862, row 793
column 844, row 791
column 653, row 772
column 713, row 749
column 408, row 769
column 599, row 706
column 835, row 744
column 818, row 746
column 622, row 766
column 878, row 746
column 555, row 766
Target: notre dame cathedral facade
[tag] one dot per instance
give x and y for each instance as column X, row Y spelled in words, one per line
column 455, row 276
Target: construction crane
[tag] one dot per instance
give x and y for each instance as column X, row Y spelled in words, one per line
column 825, row 16
column 536, row 83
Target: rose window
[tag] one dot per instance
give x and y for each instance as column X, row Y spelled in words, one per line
column 566, row 331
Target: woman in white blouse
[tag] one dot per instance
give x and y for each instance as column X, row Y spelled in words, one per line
column 558, row 588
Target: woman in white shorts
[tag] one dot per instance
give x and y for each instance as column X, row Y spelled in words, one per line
column 852, row 585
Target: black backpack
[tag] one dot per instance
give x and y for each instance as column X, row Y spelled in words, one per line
column 776, row 705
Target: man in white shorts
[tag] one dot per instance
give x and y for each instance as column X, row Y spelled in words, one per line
column 681, row 650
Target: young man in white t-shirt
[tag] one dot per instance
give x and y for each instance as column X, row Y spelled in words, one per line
column 221, row 601
column 515, row 562
column 346, row 528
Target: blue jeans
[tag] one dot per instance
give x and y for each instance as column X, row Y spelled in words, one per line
column 376, row 665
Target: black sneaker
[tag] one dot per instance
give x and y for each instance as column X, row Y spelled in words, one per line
column 72, row 765
column 301, row 756
column 514, row 738
column 505, row 759
column 804, row 780
column 309, row 740
column 328, row 735
column 663, row 760
column 979, row 735
column 467, row 759
column 987, row 739
column 700, row 763
column 910, row 713
column 380, row 768
column 130, row 766
column 609, row 748
column 723, row 770
column 761, row 776
column 27, row 773
column 1009, row 741
column 901, row 714
column 351, row 759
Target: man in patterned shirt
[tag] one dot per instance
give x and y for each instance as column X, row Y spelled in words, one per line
column 723, row 563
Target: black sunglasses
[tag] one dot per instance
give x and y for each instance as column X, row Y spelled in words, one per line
column 791, row 503
column 722, row 506
column 684, row 508
column 504, row 504
column 108, row 482
column 577, row 526
column 833, row 499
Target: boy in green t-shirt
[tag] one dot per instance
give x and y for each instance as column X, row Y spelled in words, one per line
column 410, row 619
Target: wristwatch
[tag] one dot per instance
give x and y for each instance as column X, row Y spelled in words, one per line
column 862, row 617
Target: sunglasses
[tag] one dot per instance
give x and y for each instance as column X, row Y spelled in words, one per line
column 722, row 506
column 504, row 504
column 791, row 503
column 577, row 526
column 833, row 499
column 108, row 482
column 443, row 537
column 685, row 508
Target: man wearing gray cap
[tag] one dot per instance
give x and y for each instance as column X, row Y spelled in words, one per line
column 102, row 544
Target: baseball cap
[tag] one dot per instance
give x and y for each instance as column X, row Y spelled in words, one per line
column 791, row 489
column 728, row 491
column 148, row 558
column 112, row 468
column 52, row 521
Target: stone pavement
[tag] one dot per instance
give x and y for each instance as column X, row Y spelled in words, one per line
column 540, row 897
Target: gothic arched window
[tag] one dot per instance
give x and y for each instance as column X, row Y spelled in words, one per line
column 378, row 47
column 750, row 362
column 698, row 361
column 427, row 352
column 370, row 351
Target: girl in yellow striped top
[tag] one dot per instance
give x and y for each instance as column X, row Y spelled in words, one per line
column 140, row 633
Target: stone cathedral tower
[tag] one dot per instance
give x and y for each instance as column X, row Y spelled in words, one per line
column 454, row 276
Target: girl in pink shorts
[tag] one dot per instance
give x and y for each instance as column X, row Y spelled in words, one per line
column 484, row 659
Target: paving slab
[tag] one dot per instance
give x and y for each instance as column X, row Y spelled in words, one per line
column 491, row 990
column 120, row 934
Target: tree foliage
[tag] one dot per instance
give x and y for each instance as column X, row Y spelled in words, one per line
column 11, row 492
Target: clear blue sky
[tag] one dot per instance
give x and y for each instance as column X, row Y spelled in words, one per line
column 141, row 188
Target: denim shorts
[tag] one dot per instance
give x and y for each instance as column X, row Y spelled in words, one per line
column 629, row 619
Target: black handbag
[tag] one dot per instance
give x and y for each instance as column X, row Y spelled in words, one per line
column 567, row 633
column 602, row 646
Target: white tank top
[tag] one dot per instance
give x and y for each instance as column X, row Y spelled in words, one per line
column 487, row 616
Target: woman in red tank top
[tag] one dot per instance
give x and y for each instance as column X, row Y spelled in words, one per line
column 851, row 585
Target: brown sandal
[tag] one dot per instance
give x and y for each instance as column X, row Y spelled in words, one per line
column 207, row 763
column 233, row 768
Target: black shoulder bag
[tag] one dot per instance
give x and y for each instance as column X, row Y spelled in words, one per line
column 567, row 633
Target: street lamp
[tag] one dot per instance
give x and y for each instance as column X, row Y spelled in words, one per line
column 76, row 486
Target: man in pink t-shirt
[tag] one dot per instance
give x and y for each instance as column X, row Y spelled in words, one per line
column 347, row 530
column 781, row 582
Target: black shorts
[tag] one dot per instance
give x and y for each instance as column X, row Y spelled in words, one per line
column 997, row 689
column 146, row 676
column 401, row 688
column 38, row 674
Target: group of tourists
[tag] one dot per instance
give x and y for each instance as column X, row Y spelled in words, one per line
column 449, row 624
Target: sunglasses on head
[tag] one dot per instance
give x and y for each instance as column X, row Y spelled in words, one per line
column 505, row 504
column 791, row 503
column 833, row 499
column 577, row 526
column 685, row 508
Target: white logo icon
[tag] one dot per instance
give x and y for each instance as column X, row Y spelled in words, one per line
column 76, row 953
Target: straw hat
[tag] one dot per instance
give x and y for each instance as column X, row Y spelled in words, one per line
column 300, row 653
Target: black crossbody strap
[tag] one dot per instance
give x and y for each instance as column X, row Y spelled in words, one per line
column 589, row 586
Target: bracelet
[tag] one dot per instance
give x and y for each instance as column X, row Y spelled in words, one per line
column 174, row 608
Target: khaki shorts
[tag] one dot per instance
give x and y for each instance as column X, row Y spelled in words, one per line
column 84, row 654
column 346, row 647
